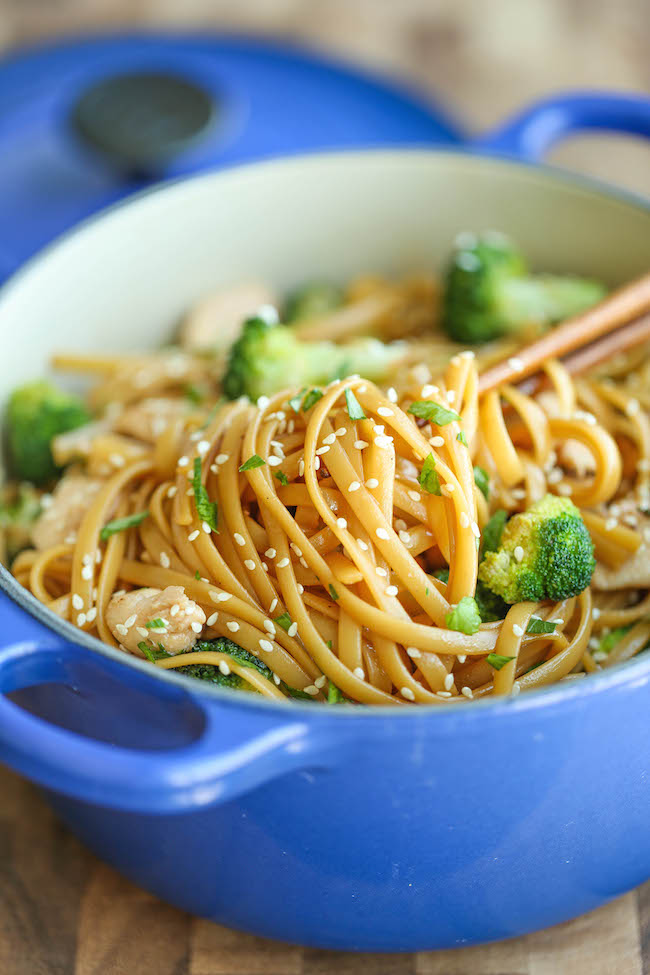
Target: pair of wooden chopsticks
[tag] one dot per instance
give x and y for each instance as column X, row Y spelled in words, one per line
column 618, row 323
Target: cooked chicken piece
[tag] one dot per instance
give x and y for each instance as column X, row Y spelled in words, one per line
column 633, row 573
column 177, row 619
column 149, row 418
column 217, row 318
column 577, row 458
column 70, row 501
column 76, row 444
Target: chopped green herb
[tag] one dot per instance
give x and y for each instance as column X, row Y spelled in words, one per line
column 193, row 394
column 197, row 575
column 333, row 592
column 284, row 621
column 497, row 660
column 425, row 410
column 334, row 695
column 156, row 624
column 296, row 401
column 281, row 477
column 354, row 408
column 121, row 524
column 536, row 625
column 482, row 481
column 427, row 478
column 329, row 643
column 461, row 438
column 151, row 654
column 294, row 692
column 465, row 617
column 426, row 591
column 311, row 399
column 206, row 510
column 252, row 463
column 343, row 369
column 493, row 531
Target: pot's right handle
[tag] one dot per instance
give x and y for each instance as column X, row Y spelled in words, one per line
column 531, row 133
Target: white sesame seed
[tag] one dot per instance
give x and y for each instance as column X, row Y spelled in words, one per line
column 341, row 432
column 632, row 407
column 554, row 476
column 413, row 652
column 516, row 688
column 353, row 486
column 91, row 614
column 121, row 629
column 468, row 354
column 516, row 363
column 467, row 692
column 414, row 495
column 87, row 572
column 565, row 489
column 362, row 545
column 202, row 447
column 274, row 461
column 190, row 492
column 193, row 535
column 116, row 460
column 476, row 531
column 283, row 563
column 171, row 491
column 391, row 590
column 272, row 606
column 312, row 690
column 404, row 537
column 321, row 451
column 270, row 553
column 81, row 619
column 429, row 390
column 263, row 402
column 359, row 672
column 250, row 565
column 232, row 626
column 610, row 524
column 206, row 528
column 266, row 646
column 183, row 461
column 461, row 658
column 360, row 444
column 518, row 554
column 130, row 621
column 382, row 441
column 141, row 631
column 392, row 394
column 372, row 483
column 222, row 458
column 316, row 463
column 300, row 588
column 240, row 540
column 224, row 668
column 320, row 681
column 293, row 629
column 382, row 533
column 443, row 693
column 221, row 597
column 77, row 601
column 464, row 519
column 517, row 629
column 295, row 548
column 211, row 620
column 87, row 559
column 341, row 522
column 330, row 439
column 384, row 411
column 407, row 693
column 643, row 465
column 381, row 571
column 301, row 467
column 449, row 682
column 437, row 441
column 196, row 626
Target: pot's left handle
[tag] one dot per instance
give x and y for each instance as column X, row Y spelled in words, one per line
column 237, row 748
column 530, row 134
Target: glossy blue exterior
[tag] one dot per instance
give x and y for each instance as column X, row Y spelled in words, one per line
column 342, row 828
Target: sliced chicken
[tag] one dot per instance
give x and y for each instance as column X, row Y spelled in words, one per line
column 70, row 501
column 175, row 620
column 633, row 573
column 216, row 320
column 150, row 417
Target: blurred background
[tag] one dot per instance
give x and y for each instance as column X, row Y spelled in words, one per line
column 481, row 60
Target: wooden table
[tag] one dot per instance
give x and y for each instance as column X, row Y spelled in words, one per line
column 61, row 911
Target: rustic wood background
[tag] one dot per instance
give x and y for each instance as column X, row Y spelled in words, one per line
column 61, row 911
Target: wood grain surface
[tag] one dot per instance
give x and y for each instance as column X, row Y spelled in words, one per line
column 62, row 912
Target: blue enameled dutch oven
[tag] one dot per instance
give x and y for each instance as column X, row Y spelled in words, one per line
column 344, row 828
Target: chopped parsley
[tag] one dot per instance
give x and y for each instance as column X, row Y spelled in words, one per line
column 537, row 625
column 121, row 524
column 334, row 695
column 482, row 481
column 296, row 401
column 252, row 463
column 461, row 438
column 354, row 408
column 281, row 477
column 329, row 643
column 197, row 575
column 333, row 592
column 465, row 617
column 156, row 624
column 497, row 660
column 284, row 621
column 425, row 410
column 311, row 399
column 206, row 510
column 193, row 394
column 152, row 654
column 427, row 478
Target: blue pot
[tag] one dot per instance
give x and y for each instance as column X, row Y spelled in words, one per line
column 359, row 829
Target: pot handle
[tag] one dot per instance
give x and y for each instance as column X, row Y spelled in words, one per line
column 236, row 748
column 531, row 133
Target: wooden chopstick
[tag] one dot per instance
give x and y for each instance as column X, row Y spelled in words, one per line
column 625, row 307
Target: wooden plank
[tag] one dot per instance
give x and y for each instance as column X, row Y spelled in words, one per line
column 215, row 950
column 325, row 962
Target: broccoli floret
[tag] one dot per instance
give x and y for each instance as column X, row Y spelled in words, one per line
column 312, row 300
column 609, row 638
column 20, row 506
column 544, row 553
column 490, row 292
column 36, row 413
column 268, row 357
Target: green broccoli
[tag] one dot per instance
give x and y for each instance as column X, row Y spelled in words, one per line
column 489, row 291
column 20, row 506
column 544, row 553
column 490, row 606
column 609, row 639
column 268, row 357
column 36, row 413
column 311, row 301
